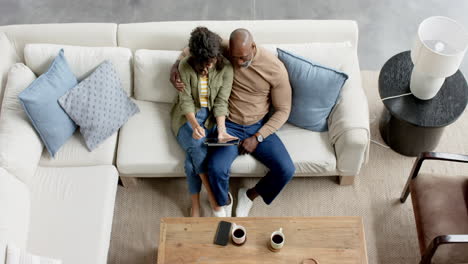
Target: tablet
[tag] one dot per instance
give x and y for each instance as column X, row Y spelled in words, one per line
column 216, row 142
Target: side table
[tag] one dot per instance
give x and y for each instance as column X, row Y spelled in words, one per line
column 410, row 125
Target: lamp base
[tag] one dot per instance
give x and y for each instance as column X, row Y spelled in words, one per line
column 423, row 86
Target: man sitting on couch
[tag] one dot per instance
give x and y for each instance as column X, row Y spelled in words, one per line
column 260, row 79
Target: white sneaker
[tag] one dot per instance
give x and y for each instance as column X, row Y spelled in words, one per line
column 220, row 213
column 228, row 208
column 244, row 204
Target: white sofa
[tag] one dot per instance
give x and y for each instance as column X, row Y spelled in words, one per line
column 66, row 204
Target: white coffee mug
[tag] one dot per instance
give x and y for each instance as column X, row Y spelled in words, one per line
column 238, row 234
column 277, row 239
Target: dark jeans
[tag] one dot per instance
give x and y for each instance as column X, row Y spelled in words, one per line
column 196, row 151
column 271, row 152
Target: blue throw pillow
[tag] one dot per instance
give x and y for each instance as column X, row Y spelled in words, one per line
column 40, row 101
column 315, row 90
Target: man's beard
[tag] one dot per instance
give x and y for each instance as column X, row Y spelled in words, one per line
column 246, row 64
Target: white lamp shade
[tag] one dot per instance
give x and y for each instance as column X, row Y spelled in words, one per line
column 439, row 48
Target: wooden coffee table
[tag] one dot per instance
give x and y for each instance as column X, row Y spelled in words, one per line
column 325, row 239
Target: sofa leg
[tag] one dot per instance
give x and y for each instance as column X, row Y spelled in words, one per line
column 346, row 180
column 128, row 181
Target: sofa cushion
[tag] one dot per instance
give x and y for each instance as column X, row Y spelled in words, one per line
column 315, row 90
column 330, row 54
column 14, row 208
column 147, row 144
column 82, row 60
column 440, row 208
column 147, row 147
column 99, row 105
column 82, row 34
column 152, row 69
column 311, row 152
column 173, row 35
column 20, row 145
column 75, row 153
column 40, row 103
column 16, row 255
column 71, row 213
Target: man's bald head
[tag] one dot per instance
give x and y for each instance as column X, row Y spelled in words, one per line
column 240, row 37
column 241, row 47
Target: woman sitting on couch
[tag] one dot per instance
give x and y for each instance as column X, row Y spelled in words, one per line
column 208, row 77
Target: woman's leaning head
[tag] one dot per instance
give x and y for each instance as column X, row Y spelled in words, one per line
column 205, row 48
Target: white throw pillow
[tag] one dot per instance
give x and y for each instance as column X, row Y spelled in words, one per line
column 16, row 255
column 152, row 68
column 82, row 60
column 20, row 145
column 330, row 54
column 15, row 204
column 8, row 57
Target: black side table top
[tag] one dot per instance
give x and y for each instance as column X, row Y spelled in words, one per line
column 440, row 111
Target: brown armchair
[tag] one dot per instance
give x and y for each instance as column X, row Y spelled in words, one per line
column 440, row 204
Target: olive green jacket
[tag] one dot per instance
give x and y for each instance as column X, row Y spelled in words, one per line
column 188, row 101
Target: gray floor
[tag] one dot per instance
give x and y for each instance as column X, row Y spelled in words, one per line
column 386, row 27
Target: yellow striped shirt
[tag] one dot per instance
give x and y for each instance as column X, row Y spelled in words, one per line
column 204, row 91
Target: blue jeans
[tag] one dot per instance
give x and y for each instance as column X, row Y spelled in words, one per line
column 196, row 151
column 271, row 152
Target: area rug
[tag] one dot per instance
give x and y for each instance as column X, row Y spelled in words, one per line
column 389, row 225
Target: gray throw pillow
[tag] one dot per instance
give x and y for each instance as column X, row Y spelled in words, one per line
column 99, row 105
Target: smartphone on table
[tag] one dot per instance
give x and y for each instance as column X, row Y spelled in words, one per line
column 222, row 233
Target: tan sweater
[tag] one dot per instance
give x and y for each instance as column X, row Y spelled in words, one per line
column 255, row 88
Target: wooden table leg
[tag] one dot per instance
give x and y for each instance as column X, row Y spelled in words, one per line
column 128, row 181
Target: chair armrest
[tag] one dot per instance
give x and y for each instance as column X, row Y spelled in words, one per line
column 348, row 123
column 429, row 156
column 440, row 240
column 443, row 156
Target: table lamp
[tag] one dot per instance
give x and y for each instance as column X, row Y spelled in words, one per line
column 437, row 53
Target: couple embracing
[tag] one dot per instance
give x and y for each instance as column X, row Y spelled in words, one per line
column 226, row 92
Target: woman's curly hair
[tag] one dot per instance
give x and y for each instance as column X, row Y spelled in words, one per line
column 204, row 46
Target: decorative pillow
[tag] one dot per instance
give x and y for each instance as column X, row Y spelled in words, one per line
column 152, row 68
column 99, row 105
column 315, row 90
column 40, row 103
column 9, row 57
column 20, row 144
column 15, row 255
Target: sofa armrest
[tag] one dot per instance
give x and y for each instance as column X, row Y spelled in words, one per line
column 8, row 58
column 349, row 123
column 14, row 210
